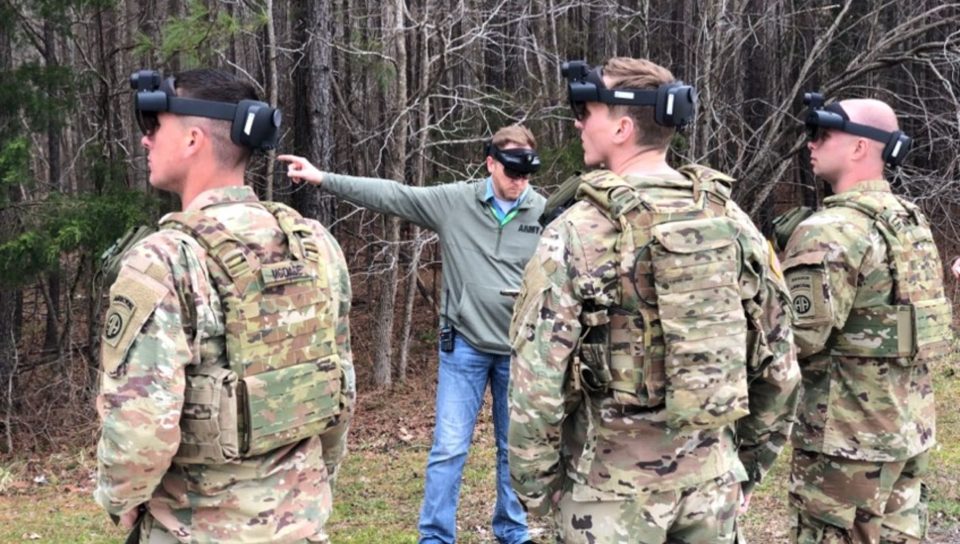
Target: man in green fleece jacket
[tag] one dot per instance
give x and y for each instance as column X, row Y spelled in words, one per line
column 488, row 230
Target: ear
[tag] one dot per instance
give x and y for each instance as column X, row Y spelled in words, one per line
column 195, row 140
column 861, row 149
column 624, row 128
column 490, row 164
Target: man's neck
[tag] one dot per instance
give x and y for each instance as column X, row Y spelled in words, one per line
column 204, row 179
column 849, row 180
column 647, row 162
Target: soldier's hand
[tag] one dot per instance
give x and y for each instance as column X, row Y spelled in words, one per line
column 956, row 268
column 129, row 518
column 300, row 169
column 744, row 502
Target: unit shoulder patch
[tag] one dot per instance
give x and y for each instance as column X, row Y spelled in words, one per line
column 806, row 281
column 132, row 301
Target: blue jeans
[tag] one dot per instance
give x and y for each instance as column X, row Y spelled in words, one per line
column 464, row 374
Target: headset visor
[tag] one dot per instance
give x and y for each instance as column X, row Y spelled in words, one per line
column 517, row 163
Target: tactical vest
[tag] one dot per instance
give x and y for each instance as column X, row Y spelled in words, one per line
column 282, row 380
column 676, row 335
column 916, row 327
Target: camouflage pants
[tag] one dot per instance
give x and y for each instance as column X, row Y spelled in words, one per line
column 836, row 500
column 705, row 514
column 152, row 532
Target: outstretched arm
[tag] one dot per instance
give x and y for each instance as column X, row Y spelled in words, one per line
column 425, row 206
column 300, row 169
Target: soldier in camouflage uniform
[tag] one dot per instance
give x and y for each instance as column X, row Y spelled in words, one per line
column 654, row 378
column 867, row 288
column 169, row 334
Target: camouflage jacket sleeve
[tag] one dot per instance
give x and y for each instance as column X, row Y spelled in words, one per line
column 822, row 266
column 773, row 373
column 334, row 439
column 146, row 345
column 544, row 335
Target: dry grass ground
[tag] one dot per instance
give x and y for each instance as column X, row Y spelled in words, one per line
column 378, row 494
column 47, row 497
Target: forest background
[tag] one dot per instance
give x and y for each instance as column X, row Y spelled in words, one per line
column 407, row 90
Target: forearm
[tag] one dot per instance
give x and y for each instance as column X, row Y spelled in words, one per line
column 141, row 435
column 774, row 390
column 544, row 336
column 417, row 204
column 334, row 440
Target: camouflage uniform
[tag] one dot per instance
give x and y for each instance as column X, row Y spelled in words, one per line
column 171, row 319
column 610, row 459
column 866, row 419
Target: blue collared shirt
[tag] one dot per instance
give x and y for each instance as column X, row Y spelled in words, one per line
column 502, row 215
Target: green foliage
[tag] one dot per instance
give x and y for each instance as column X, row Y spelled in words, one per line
column 14, row 164
column 560, row 162
column 198, row 36
column 106, row 175
column 62, row 224
column 42, row 93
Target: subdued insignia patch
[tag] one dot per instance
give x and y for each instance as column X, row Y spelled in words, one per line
column 807, row 291
column 132, row 302
column 114, row 326
column 806, row 281
column 801, row 285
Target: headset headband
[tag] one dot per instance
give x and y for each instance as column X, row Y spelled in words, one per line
column 254, row 124
column 674, row 103
column 833, row 117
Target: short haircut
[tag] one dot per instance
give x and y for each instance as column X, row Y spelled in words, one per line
column 219, row 86
column 514, row 134
column 625, row 72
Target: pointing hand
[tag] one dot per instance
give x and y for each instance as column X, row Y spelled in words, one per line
column 300, row 169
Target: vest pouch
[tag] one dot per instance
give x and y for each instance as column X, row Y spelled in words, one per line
column 695, row 268
column 636, row 360
column 208, row 423
column 594, row 367
column 932, row 320
column 286, row 405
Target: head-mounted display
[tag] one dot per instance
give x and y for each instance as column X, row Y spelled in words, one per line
column 674, row 103
column 254, row 124
column 517, row 163
column 833, row 117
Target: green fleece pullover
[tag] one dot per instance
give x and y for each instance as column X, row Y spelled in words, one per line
column 480, row 256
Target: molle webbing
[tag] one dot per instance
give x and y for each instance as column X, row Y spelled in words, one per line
column 917, row 326
column 283, row 370
column 678, row 293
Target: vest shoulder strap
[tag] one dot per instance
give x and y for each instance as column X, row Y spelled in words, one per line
column 609, row 193
column 226, row 250
column 716, row 186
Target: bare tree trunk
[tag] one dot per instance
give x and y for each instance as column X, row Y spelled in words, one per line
column 52, row 336
column 8, row 296
column 396, row 153
column 314, row 77
column 272, row 88
column 413, row 271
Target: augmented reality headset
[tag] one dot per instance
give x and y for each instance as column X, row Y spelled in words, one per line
column 517, row 163
column 254, row 124
column 832, row 117
column 674, row 103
